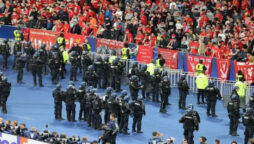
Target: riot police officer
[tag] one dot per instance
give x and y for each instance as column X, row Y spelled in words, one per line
column 134, row 87
column 97, row 108
column 190, row 120
column 54, row 67
column 125, row 112
column 212, row 94
column 251, row 101
column 58, row 98
column 5, row 51
column 98, row 65
column 89, row 102
column 20, row 64
column 183, row 89
column 43, row 55
column 16, row 50
column 144, row 76
column 137, row 110
column 112, row 105
column 78, row 51
column 91, row 76
column 106, row 72
column 117, row 70
column 156, row 79
column 55, row 53
column 165, row 91
column 85, row 61
column 82, row 97
column 248, row 122
column 29, row 50
column 107, row 96
column 88, row 105
column 5, row 87
column 74, row 65
column 70, row 94
column 233, row 108
column 36, row 68
column 134, row 70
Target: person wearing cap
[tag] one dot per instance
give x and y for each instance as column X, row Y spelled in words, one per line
column 233, row 111
column 212, row 94
column 201, row 83
column 241, row 92
column 183, row 89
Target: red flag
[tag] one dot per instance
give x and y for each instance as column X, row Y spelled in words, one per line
column 145, row 54
column 192, row 61
column 223, row 68
column 170, row 56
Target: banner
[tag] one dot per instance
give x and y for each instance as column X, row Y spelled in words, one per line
column 145, row 54
column 12, row 139
column 38, row 37
column 170, row 56
column 105, row 45
column 192, row 61
column 248, row 71
column 223, row 66
column 70, row 39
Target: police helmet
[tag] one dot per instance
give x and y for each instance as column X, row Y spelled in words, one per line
column 69, row 87
column 134, row 78
column 85, row 52
column 98, row 58
column 109, row 90
column 190, row 106
column 71, row 83
column 124, row 93
column 55, row 47
column 106, row 58
column 235, row 97
column 211, row 83
column 144, row 67
column 91, row 68
column 83, row 84
column 156, row 71
column 43, row 46
column 35, row 55
column 164, row 73
column 135, row 64
column 58, row 86
column 114, row 95
column 28, row 43
column 165, row 78
column 183, row 77
column 140, row 98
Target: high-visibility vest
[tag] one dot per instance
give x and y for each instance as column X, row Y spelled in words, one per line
column 158, row 63
column 111, row 59
column 242, row 86
column 17, row 35
column 150, row 68
column 238, row 77
column 88, row 47
column 202, row 81
column 199, row 68
column 65, row 56
column 124, row 53
column 60, row 41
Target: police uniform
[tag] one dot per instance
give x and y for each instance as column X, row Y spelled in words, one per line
column 113, row 106
column 125, row 53
column 212, row 94
column 5, row 87
column 241, row 92
column 97, row 108
column 91, row 76
column 134, row 87
column 165, row 91
column 60, row 41
column 74, row 65
column 54, row 66
column 138, row 110
column 106, row 106
column 125, row 112
column 5, row 51
column 20, row 64
column 85, row 61
column 183, row 89
column 18, row 36
column 29, row 50
column 144, row 76
column 58, row 96
column 98, row 65
column 202, row 83
column 106, row 73
column 248, row 122
column 233, row 113
column 251, row 101
column 36, row 69
column 156, row 79
column 16, row 49
column 89, row 106
column 190, row 120
column 87, row 47
column 78, row 51
column 117, row 70
column 82, row 101
column 43, row 55
column 70, row 95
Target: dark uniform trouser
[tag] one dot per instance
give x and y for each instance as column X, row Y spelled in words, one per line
column 164, row 101
column 20, row 75
column 97, row 120
column 44, row 68
column 233, row 124
column 34, row 73
column 89, row 115
column 116, row 82
column 124, row 122
column 3, row 102
column 99, row 80
column 105, row 80
column 155, row 93
column 73, row 75
column 188, row 135
column 28, row 64
column 137, row 120
column 84, row 72
column 70, row 109
column 82, row 110
column 58, row 110
column 182, row 99
column 5, row 59
column 54, row 75
column 211, row 106
column 14, row 62
column 201, row 93
column 248, row 133
column 106, row 116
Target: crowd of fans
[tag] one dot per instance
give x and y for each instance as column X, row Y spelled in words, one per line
column 217, row 28
column 12, row 127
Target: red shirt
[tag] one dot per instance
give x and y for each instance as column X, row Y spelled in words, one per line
column 130, row 38
column 76, row 9
column 139, row 38
column 194, row 47
column 59, row 27
column 66, row 28
column 143, row 19
column 153, row 40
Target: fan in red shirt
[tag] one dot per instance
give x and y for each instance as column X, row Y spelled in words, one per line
column 66, row 27
column 143, row 19
column 152, row 39
column 14, row 18
column 76, row 8
column 139, row 37
column 59, row 26
column 193, row 46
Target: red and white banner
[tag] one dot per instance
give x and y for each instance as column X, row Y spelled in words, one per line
column 223, row 66
column 38, row 37
column 145, row 54
column 170, row 56
column 248, row 71
column 70, row 39
column 111, row 44
column 192, row 61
